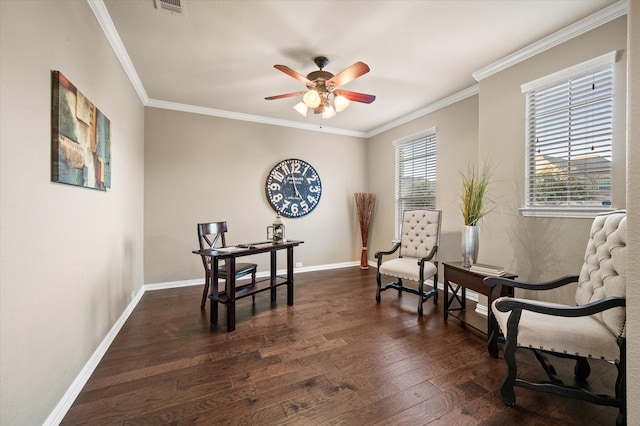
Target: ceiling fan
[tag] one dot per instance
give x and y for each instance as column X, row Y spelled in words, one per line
column 323, row 85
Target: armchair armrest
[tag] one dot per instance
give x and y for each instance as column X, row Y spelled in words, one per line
column 506, row 305
column 496, row 284
column 495, row 281
column 430, row 256
column 381, row 253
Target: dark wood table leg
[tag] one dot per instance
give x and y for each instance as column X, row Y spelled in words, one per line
column 231, row 293
column 447, row 302
column 274, row 268
column 290, row 276
column 213, row 291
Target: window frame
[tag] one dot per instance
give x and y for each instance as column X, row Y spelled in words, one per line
column 558, row 79
column 428, row 136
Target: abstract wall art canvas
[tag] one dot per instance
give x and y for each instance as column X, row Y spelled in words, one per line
column 80, row 138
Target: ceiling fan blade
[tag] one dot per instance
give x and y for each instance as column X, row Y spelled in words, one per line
column 355, row 96
column 285, row 69
column 287, row 95
column 348, row 74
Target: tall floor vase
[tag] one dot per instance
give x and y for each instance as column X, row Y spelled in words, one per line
column 364, row 204
column 470, row 245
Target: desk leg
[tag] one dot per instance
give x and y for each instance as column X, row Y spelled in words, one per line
column 274, row 267
column 290, row 276
column 447, row 302
column 231, row 294
column 213, row 287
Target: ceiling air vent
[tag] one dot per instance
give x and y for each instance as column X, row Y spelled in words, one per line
column 171, row 5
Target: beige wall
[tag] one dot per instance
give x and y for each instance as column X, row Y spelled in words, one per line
column 57, row 306
column 633, row 214
column 203, row 169
column 70, row 257
column 457, row 133
column 539, row 249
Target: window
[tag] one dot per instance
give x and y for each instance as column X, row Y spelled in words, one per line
column 569, row 140
column 415, row 173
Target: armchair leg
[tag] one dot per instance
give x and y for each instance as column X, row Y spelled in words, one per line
column 621, row 382
column 494, row 331
column 379, row 280
column 582, row 369
column 509, row 351
column 435, row 288
column 506, row 390
column 421, row 295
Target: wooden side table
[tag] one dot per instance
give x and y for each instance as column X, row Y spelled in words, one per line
column 463, row 278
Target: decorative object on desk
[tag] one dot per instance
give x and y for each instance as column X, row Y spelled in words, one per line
column 473, row 206
column 277, row 231
column 80, row 138
column 488, row 269
column 293, row 188
column 364, row 204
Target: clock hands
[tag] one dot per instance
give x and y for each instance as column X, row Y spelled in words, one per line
column 295, row 188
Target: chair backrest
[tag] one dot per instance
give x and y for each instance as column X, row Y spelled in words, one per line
column 208, row 236
column 210, row 233
column 604, row 272
column 420, row 232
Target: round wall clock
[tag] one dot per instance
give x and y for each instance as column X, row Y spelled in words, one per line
column 293, row 188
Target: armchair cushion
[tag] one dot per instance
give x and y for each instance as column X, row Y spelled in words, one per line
column 407, row 268
column 582, row 336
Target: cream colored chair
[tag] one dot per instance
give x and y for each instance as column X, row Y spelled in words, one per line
column 592, row 329
column 417, row 256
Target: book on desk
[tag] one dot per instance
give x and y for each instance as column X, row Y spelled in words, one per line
column 488, row 269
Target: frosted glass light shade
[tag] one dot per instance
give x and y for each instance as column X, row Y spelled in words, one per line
column 328, row 111
column 301, row 108
column 341, row 103
column 311, row 99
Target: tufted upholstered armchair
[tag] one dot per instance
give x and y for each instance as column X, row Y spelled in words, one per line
column 417, row 256
column 593, row 329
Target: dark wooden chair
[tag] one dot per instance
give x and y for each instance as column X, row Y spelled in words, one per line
column 591, row 330
column 417, row 257
column 212, row 235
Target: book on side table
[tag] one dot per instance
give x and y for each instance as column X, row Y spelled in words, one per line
column 488, row 269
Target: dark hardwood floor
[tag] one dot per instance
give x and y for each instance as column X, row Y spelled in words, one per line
column 334, row 358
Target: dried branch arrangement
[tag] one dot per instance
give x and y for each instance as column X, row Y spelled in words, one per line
column 364, row 203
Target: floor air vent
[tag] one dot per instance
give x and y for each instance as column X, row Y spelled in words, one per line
column 171, row 5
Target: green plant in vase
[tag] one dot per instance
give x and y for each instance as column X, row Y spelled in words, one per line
column 473, row 204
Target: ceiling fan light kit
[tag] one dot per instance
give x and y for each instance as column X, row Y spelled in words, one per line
column 321, row 87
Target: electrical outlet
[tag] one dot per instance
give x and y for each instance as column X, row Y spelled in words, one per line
column 298, row 264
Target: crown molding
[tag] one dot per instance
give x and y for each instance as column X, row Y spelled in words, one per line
column 104, row 19
column 442, row 103
column 599, row 18
column 595, row 20
column 155, row 103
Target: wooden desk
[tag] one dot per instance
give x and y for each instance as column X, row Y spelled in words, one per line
column 231, row 293
column 463, row 278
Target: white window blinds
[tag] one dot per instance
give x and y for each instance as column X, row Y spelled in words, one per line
column 415, row 174
column 569, row 139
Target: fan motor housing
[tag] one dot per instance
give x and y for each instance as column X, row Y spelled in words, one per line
column 319, row 75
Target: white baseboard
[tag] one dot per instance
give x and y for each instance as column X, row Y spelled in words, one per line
column 72, row 393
